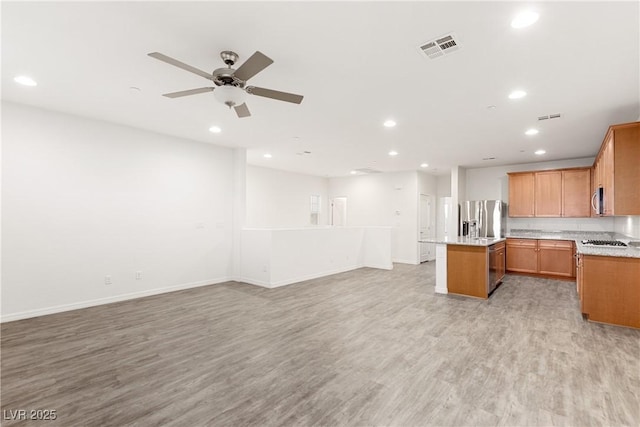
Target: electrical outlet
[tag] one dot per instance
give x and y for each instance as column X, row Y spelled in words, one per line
column 107, row 280
column 138, row 275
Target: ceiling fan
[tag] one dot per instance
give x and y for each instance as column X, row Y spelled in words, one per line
column 230, row 83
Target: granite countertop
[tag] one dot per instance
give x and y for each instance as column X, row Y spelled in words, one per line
column 628, row 252
column 578, row 236
column 465, row 241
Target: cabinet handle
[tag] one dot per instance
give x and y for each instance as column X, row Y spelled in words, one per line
column 593, row 201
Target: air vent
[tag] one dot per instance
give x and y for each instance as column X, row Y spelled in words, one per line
column 550, row 116
column 367, row 170
column 441, row 46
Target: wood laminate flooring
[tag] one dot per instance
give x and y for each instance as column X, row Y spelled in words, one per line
column 366, row 347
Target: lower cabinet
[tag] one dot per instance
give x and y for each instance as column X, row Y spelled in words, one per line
column 546, row 257
column 609, row 289
column 468, row 270
column 522, row 255
column 555, row 257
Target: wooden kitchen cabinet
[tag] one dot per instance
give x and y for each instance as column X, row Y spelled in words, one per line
column 543, row 257
column 501, row 260
column 616, row 170
column 554, row 193
column 576, row 193
column 521, row 194
column 555, row 257
column 522, row 255
column 467, row 270
column 609, row 289
column 580, row 280
column 548, row 194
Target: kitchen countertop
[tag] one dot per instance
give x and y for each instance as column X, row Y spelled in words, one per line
column 465, row 241
column 578, row 236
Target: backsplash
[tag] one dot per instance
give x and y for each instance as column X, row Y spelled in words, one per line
column 605, row 225
column 628, row 225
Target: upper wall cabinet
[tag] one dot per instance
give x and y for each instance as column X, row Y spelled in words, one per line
column 575, row 185
column 521, row 194
column 548, row 194
column 552, row 193
column 617, row 172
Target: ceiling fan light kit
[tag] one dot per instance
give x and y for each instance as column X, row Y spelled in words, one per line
column 230, row 83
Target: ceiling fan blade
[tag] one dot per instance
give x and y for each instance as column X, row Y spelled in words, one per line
column 252, row 66
column 189, row 92
column 242, row 110
column 179, row 64
column 274, row 94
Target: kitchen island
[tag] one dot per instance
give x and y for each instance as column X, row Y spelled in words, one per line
column 468, row 266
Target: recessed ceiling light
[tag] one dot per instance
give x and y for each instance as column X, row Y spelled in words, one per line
column 267, row 156
column 215, row 129
column 531, row 132
column 24, row 80
column 353, row 172
column 393, row 153
column 524, row 19
column 517, row 94
column 389, row 124
column 540, row 152
column 424, row 165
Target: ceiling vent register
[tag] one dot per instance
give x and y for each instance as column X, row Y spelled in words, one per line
column 550, row 116
column 443, row 45
column 367, row 170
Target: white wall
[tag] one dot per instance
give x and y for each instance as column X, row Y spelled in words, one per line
column 628, row 225
column 82, row 199
column 427, row 184
column 385, row 199
column 277, row 257
column 277, row 198
column 443, row 183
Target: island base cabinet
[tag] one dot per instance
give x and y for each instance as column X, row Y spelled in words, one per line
column 467, row 270
column 610, row 289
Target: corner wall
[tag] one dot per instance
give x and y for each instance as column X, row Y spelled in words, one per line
column 385, row 199
column 83, row 199
column 278, row 198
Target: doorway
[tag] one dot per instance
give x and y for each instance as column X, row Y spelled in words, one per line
column 339, row 211
column 426, row 228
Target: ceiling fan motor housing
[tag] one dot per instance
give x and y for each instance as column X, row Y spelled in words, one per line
column 225, row 77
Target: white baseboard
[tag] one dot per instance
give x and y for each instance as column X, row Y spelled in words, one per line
column 249, row 281
column 388, row 266
column 406, row 261
column 441, row 290
column 101, row 301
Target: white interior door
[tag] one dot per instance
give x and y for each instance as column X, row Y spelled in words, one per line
column 339, row 211
column 427, row 228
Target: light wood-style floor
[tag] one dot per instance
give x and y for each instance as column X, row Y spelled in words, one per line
column 368, row 347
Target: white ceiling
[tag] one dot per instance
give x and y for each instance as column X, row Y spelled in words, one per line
column 356, row 63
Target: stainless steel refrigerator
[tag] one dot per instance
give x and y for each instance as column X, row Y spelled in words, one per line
column 490, row 217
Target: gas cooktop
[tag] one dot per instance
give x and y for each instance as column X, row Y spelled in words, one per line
column 605, row 243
